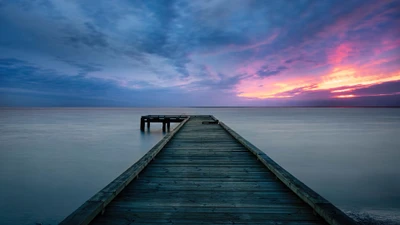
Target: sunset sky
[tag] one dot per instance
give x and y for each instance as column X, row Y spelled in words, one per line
column 199, row 53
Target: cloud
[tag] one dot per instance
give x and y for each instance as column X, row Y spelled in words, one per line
column 253, row 50
column 224, row 83
column 265, row 72
column 91, row 37
column 25, row 84
column 21, row 75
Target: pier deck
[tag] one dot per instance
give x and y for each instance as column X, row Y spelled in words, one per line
column 205, row 173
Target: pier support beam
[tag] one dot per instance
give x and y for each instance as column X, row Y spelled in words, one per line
column 163, row 126
column 148, row 124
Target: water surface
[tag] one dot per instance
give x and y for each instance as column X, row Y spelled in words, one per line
column 52, row 160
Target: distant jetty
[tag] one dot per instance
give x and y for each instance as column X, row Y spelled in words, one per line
column 203, row 172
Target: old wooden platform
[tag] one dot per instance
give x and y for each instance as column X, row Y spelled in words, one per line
column 205, row 173
column 166, row 120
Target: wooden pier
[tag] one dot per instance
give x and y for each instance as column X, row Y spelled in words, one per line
column 203, row 172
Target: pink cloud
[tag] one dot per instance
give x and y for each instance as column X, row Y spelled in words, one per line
column 340, row 53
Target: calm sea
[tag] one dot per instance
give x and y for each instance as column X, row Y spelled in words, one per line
column 53, row 160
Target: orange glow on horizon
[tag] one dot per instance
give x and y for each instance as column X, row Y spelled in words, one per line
column 351, row 77
column 371, row 95
column 345, row 96
column 343, row 90
column 338, row 81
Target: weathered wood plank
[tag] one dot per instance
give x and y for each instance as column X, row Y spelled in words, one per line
column 202, row 186
column 215, row 216
column 140, row 208
column 181, row 169
column 255, row 165
column 211, row 179
column 205, row 195
column 204, row 221
column 198, row 162
column 218, row 202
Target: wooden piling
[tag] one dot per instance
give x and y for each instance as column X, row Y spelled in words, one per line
column 142, row 124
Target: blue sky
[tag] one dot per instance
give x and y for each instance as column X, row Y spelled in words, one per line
column 199, row 53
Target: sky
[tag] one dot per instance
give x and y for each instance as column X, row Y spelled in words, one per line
column 199, row 53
